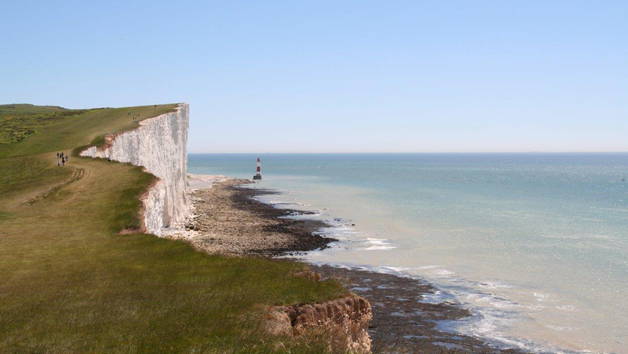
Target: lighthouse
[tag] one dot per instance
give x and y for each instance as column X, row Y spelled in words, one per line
column 259, row 170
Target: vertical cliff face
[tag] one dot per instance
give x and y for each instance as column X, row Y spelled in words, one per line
column 159, row 144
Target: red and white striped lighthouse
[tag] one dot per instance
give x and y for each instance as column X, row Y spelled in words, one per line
column 259, row 170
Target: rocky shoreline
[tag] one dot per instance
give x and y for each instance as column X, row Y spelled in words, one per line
column 401, row 321
column 230, row 221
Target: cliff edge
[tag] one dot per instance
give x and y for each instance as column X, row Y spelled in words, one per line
column 159, row 145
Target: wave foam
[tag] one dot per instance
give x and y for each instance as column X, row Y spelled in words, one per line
column 378, row 244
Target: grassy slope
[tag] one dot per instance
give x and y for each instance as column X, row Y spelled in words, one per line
column 68, row 283
column 72, row 131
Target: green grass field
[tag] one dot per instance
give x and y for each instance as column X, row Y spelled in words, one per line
column 70, row 284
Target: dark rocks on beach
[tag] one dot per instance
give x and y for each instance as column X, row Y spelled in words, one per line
column 232, row 222
column 402, row 323
column 302, row 231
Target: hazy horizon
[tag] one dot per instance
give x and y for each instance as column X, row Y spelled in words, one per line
column 355, row 76
column 408, row 152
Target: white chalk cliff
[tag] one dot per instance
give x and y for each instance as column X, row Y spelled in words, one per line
column 159, row 144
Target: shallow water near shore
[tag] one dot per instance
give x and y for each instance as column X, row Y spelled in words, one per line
column 535, row 244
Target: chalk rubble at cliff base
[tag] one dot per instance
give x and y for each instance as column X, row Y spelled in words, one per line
column 229, row 221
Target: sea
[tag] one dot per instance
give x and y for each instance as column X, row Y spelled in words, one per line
column 534, row 244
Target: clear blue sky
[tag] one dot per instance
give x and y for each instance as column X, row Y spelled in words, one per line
column 336, row 76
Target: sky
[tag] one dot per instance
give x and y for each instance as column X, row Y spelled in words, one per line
column 336, row 76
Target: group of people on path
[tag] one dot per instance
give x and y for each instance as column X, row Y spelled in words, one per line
column 64, row 158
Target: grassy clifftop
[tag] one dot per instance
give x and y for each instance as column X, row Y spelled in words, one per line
column 47, row 128
column 70, row 284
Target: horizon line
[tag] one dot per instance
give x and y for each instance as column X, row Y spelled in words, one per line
column 420, row 152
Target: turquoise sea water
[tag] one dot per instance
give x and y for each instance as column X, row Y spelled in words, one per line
column 535, row 244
